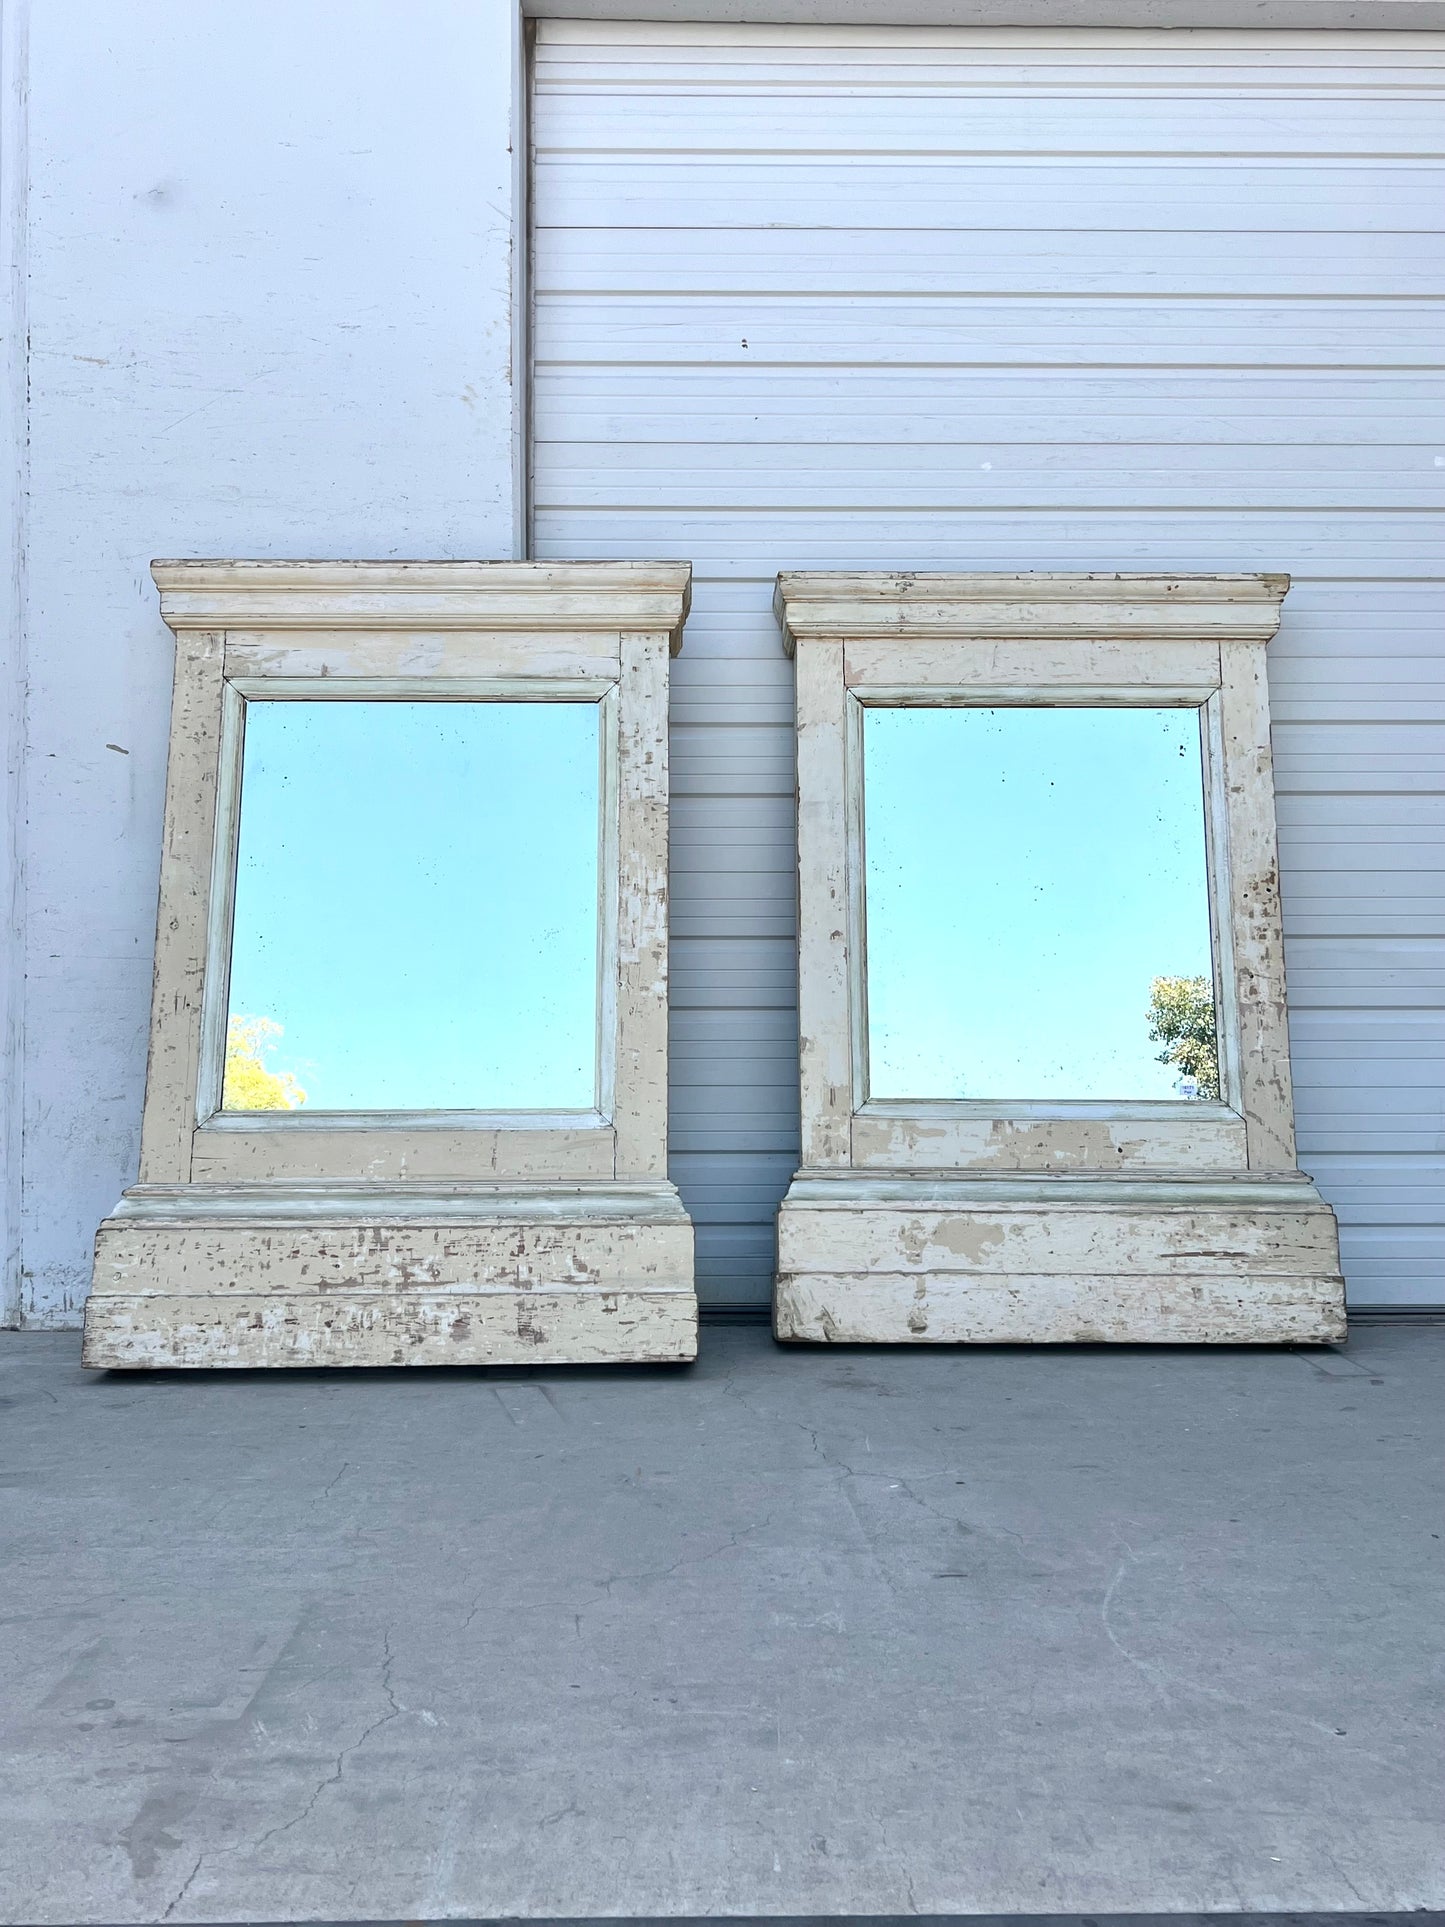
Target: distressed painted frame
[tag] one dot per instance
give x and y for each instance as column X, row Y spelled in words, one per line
column 953, row 640
column 598, row 633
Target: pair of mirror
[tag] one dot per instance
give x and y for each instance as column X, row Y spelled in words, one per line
column 416, row 919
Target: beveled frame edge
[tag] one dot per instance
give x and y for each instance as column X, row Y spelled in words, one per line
column 196, row 863
column 1253, row 1128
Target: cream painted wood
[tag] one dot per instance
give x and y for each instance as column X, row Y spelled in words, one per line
column 422, row 652
column 183, row 916
column 454, row 1260
column 551, row 1326
column 1188, row 670
column 982, row 1137
column 1080, row 1308
column 1252, row 911
column 641, row 1052
column 825, row 1041
column 549, row 598
column 1209, row 1227
column 577, row 1204
column 977, row 1222
column 408, row 1148
column 1093, row 607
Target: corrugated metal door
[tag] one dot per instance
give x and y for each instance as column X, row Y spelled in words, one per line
column 814, row 298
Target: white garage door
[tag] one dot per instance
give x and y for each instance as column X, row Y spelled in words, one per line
column 815, row 298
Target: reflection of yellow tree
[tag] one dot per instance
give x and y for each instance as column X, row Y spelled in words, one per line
column 249, row 1085
column 1181, row 1017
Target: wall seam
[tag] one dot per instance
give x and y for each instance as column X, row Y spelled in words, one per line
column 521, row 286
column 14, row 486
column 1268, row 16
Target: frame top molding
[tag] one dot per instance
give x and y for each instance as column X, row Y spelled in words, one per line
column 847, row 605
column 575, row 597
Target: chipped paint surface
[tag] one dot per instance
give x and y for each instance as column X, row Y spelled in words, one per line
column 242, row 1331
column 401, row 1258
column 1061, row 1144
column 869, row 1308
column 239, row 1294
column 864, row 1235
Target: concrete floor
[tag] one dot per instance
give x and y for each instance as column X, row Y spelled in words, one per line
column 790, row 1632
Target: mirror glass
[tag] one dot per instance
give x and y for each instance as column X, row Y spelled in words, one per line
column 416, row 909
column 1037, row 904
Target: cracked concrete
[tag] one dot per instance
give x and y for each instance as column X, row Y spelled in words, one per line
column 792, row 1632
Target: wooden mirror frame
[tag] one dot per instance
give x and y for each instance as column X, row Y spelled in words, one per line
column 382, row 1238
column 985, row 1221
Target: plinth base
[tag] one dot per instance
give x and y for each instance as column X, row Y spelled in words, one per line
column 864, row 1257
column 239, row 1277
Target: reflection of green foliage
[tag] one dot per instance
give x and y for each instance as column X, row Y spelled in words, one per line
column 1181, row 1017
column 249, row 1085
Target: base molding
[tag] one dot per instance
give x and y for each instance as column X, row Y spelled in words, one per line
column 885, row 1258
column 243, row 1278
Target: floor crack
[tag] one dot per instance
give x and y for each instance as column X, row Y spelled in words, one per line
column 333, row 1778
column 185, row 1887
column 687, row 1559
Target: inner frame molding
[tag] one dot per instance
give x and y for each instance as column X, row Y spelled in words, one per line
column 404, row 1238
column 987, row 1221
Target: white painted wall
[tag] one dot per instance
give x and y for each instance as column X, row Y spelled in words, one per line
column 269, row 291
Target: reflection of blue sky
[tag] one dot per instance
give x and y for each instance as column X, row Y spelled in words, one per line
column 1029, row 872
column 416, row 901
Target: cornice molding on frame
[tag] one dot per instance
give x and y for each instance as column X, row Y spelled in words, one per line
column 573, row 597
column 841, row 606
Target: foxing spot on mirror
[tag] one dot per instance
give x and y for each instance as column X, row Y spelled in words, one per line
column 416, row 907
column 1037, row 904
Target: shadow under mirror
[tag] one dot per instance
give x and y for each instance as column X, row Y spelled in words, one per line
column 416, row 907
column 1037, row 905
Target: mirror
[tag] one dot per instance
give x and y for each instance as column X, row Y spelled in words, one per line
column 416, row 907
column 1037, row 905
